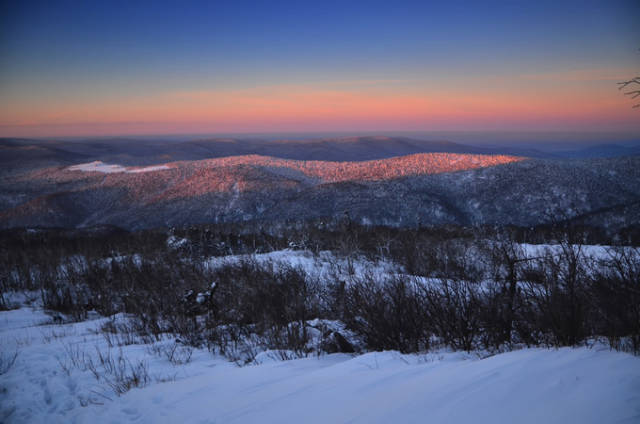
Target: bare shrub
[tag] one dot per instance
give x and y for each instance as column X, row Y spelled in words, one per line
column 7, row 360
column 175, row 353
column 387, row 314
column 119, row 373
column 615, row 297
column 454, row 309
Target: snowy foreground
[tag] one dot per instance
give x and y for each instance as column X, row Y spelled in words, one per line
column 582, row 385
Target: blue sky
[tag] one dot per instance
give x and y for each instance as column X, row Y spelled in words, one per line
column 68, row 66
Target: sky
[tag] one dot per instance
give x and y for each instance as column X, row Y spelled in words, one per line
column 96, row 68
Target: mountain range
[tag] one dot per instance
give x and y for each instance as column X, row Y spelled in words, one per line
column 377, row 180
column 20, row 154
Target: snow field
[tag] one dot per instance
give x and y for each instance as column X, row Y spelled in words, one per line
column 58, row 376
column 585, row 385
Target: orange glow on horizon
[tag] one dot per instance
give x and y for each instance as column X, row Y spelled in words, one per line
column 300, row 107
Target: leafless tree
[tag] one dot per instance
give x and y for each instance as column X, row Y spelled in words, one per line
column 633, row 88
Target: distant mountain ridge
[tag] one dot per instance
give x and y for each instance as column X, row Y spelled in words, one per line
column 17, row 155
column 417, row 189
column 149, row 152
column 601, row 151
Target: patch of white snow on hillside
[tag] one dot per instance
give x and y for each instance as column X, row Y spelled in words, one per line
column 324, row 264
column 147, row 169
column 591, row 251
column 105, row 168
column 97, row 166
column 175, row 243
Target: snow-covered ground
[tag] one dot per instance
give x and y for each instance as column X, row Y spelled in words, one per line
column 105, row 168
column 581, row 385
column 322, row 265
column 147, row 169
column 589, row 251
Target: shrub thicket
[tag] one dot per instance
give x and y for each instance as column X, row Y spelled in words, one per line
column 461, row 288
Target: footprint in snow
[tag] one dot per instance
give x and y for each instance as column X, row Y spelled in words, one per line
column 132, row 412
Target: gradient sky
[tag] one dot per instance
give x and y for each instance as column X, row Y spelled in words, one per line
column 116, row 68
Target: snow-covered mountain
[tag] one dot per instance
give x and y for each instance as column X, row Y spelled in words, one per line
column 426, row 188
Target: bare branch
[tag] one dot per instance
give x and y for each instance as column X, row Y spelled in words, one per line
column 624, row 84
column 633, row 93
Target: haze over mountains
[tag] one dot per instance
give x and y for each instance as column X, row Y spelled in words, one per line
column 377, row 180
column 25, row 153
column 19, row 152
